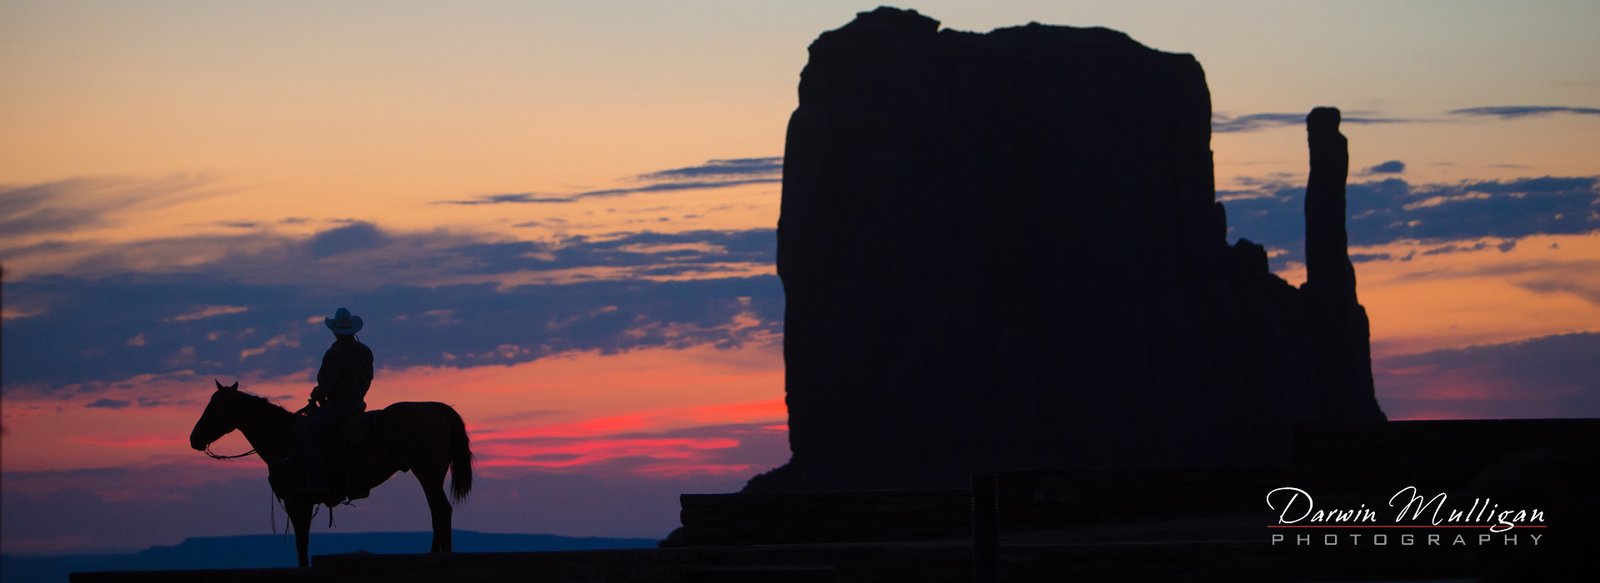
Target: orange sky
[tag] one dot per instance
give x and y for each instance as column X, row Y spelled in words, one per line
column 172, row 121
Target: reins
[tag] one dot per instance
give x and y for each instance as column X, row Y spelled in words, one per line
column 217, row 456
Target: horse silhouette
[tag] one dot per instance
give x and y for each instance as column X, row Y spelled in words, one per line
column 426, row 439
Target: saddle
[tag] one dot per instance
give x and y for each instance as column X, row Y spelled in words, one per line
column 289, row 474
column 351, row 432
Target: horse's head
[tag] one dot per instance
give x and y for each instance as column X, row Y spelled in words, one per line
column 219, row 418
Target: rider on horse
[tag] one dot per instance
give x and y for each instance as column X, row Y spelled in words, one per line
column 340, row 393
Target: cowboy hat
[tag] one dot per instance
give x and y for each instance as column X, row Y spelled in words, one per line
column 342, row 323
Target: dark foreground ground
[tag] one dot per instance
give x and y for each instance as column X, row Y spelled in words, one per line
column 1115, row 524
column 1094, row 556
column 277, row 550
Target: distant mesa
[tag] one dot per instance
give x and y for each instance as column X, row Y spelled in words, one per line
column 1003, row 251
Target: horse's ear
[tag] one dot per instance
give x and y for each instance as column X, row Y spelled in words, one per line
column 219, row 384
column 234, row 386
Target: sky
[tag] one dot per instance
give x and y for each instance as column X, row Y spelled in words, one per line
column 560, row 219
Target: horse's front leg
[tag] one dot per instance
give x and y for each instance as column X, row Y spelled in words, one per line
column 300, row 516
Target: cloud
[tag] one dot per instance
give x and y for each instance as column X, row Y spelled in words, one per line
column 287, row 340
column 1364, row 257
column 1549, row 376
column 112, row 404
column 1440, row 212
column 728, row 439
column 1222, row 123
column 24, row 211
column 534, row 198
column 430, row 298
column 1518, row 111
column 734, row 168
column 1271, row 211
column 1567, row 283
column 362, row 255
column 355, row 236
column 516, row 198
column 52, row 208
column 1450, row 249
column 1389, row 167
column 711, row 175
column 693, row 452
column 201, row 312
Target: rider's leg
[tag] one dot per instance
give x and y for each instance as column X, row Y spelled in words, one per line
column 309, row 443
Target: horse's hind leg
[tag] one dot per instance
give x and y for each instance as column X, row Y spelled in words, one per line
column 433, row 486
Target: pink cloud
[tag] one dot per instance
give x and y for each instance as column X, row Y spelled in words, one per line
column 167, row 441
column 588, row 452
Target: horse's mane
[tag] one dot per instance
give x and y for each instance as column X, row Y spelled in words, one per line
column 260, row 401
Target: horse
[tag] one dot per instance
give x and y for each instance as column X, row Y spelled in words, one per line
column 426, row 439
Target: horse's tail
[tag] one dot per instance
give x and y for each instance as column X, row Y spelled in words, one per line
column 460, row 457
